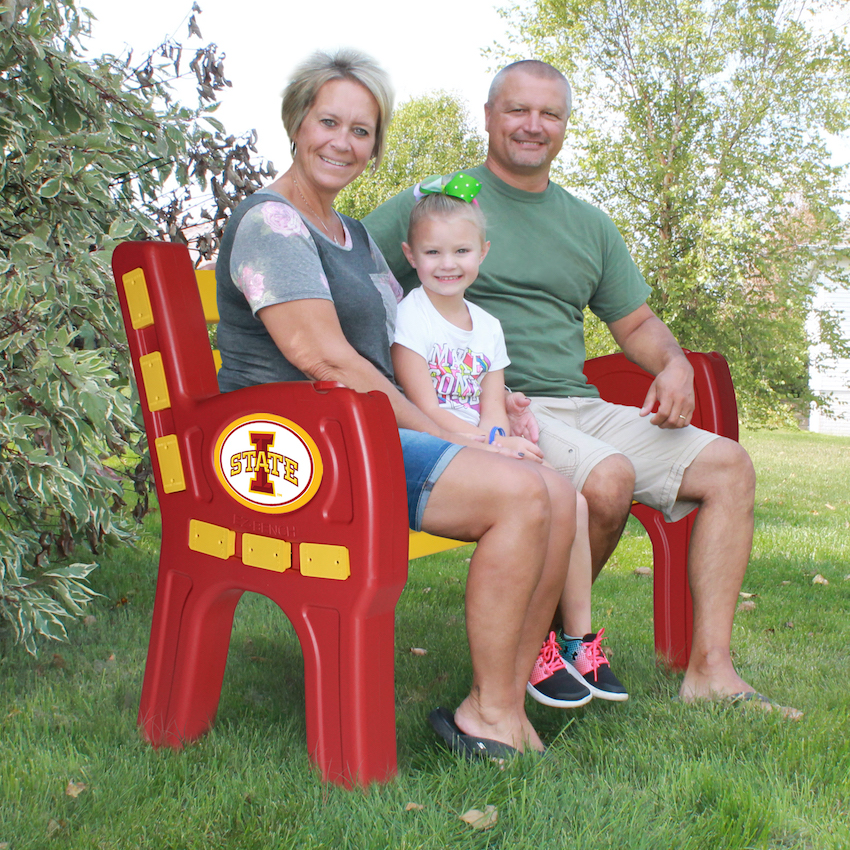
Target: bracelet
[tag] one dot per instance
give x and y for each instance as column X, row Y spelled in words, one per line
column 495, row 431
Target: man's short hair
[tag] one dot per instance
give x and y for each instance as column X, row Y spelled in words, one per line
column 345, row 64
column 537, row 69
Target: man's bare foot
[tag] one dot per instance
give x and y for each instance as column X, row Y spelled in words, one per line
column 746, row 697
column 714, row 678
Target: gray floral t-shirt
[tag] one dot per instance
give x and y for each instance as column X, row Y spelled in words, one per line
column 270, row 255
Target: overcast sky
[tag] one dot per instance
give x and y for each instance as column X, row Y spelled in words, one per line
column 425, row 47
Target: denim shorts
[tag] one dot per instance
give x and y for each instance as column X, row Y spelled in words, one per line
column 425, row 458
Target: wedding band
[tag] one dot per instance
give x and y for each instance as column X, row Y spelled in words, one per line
column 682, row 417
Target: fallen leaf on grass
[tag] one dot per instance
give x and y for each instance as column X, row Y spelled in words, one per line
column 826, row 504
column 89, row 620
column 747, row 605
column 417, row 650
column 481, row 820
column 789, row 624
column 4, row 845
column 786, row 582
column 414, row 807
column 74, row 789
column 746, row 595
column 54, row 826
column 819, row 579
column 643, row 571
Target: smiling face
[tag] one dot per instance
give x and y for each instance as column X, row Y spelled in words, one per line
column 336, row 139
column 446, row 253
column 526, row 122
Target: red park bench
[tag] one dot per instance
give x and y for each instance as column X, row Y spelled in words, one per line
column 296, row 491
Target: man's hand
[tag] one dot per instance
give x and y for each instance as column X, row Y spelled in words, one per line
column 671, row 396
column 520, row 417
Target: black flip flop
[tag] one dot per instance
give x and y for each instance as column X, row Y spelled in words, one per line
column 443, row 723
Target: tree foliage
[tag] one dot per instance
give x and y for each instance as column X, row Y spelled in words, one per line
column 699, row 125
column 428, row 135
column 86, row 149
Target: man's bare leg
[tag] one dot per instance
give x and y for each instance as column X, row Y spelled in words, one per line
column 722, row 480
column 516, row 575
column 609, row 490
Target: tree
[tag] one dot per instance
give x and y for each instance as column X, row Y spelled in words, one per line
column 86, row 149
column 428, row 135
column 699, row 125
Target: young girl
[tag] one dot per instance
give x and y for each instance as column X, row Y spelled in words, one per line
column 449, row 358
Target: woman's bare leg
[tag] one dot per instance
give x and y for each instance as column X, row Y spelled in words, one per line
column 516, row 575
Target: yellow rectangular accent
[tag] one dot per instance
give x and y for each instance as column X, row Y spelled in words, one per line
column 321, row 560
column 153, row 375
column 217, row 359
column 138, row 300
column 211, row 539
column 206, row 286
column 267, row 553
column 170, row 463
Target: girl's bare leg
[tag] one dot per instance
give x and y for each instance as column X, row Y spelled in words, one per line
column 574, row 606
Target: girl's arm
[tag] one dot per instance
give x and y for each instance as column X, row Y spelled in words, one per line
column 411, row 371
column 494, row 415
column 492, row 401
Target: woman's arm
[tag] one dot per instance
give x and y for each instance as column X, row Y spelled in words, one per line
column 411, row 371
column 309, row 336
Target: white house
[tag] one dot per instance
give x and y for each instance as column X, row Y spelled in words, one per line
column 831, row 376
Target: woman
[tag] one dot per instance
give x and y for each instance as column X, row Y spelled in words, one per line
column 304, row 294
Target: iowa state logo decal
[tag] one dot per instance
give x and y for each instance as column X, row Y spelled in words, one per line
column 268, row 463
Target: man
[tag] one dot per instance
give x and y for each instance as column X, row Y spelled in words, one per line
column 551, row 255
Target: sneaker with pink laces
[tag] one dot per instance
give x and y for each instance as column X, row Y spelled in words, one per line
column 551, row 683
column 584, row 659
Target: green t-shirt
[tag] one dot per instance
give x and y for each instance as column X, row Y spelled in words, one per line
column 551, row 255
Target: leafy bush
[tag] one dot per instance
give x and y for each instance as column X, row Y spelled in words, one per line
column 86, row 149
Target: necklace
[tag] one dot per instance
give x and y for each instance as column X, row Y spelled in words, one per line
column 307, row 204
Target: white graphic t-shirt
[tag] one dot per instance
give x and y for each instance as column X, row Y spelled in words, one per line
column 457, row 359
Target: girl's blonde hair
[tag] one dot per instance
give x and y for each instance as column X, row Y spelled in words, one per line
column 442, row 206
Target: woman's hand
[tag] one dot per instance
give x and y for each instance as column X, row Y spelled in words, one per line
column 521, row 447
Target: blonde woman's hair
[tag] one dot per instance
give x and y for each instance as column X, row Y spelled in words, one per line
column 345, row 64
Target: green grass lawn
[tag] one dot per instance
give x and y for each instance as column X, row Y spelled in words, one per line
column 649, row 773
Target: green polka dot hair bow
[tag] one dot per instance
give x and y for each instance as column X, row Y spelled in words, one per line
column 459, row 185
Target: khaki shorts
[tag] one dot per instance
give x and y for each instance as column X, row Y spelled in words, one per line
column 577, row 433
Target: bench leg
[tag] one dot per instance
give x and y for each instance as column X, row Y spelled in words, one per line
column 190, row 638
column 349, row 694
column 672, row 604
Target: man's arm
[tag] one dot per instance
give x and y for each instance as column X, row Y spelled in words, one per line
column 647, row 341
